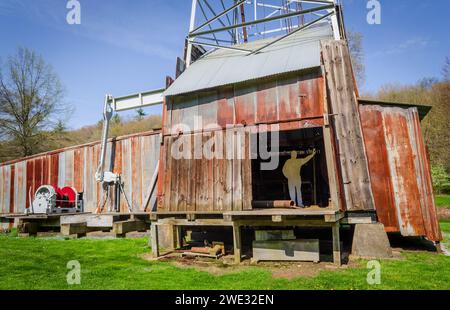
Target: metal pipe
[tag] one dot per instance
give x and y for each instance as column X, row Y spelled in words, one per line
column 191, row 27
column 291, row 33
column 107, row 114
column 217, row 17
column 273, row 204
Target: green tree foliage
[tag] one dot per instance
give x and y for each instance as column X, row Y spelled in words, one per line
column 436, row 125
column 441, row 179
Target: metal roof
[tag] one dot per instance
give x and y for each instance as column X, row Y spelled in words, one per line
column 222, row 67
column 422, row 109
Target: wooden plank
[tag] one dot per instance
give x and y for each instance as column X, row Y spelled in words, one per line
column 150, row 199
column 354, row 164
column 330, row 218
column 336, row 244
column 154, row 240
column 192, row 178
column 247, row 190
column 357, row 220
column 91, row 220
column 237, row 170
column 122, row 227
column 285, row 212
column 79, row 229
column 175, row 176
column 237, row 242
column 167, row 174
column 332, row 167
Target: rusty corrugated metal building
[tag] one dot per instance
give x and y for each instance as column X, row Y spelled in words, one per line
column 135, row 157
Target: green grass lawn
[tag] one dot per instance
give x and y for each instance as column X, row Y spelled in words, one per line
column 442, row 201
column 37, row 263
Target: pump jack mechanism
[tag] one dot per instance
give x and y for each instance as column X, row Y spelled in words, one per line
column 108, row 178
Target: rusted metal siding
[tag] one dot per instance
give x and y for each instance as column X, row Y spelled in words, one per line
column 400, row 171
column 134, row 157
column 294, row 101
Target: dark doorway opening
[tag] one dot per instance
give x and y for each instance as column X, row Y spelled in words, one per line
column 268, row 185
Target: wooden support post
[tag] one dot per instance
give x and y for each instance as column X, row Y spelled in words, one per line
column 336, row 244
column 179, row 235
column 154, row 240
column 237, row 242
column 28, row 228
column 123, row 227
column 78, row 229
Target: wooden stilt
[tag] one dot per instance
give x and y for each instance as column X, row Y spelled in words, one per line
column 237, row 242
column 154, row 240
column 336, row 244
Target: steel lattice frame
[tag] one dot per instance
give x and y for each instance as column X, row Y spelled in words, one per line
column 226, row 24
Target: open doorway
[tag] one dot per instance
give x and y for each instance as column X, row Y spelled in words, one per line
column 270, row 185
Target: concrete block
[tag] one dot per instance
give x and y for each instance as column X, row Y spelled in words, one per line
column 371, row 241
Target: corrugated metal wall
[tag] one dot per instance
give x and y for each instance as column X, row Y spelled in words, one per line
column 294, row 101
column 134, row 157
column 400, row 171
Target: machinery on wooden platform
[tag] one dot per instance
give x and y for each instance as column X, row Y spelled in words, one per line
column 54, row 200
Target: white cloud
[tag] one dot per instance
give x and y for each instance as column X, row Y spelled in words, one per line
column 402, row 47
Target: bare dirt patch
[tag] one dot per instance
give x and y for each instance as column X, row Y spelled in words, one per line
column 285, row 270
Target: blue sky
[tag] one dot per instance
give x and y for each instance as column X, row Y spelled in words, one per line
column 125, row 46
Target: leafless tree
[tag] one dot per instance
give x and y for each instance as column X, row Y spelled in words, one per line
column 31, row 100
column 355, row 44
column 446, row 70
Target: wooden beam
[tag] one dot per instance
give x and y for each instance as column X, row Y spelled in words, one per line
column 336, row 244
column 91, row 220
column 78, row 229
column 330, row 152
column 30, row 228
column 237, row 242
column 331, row 218
column 277, row 218
column 154, row 240
column 347, row 128
column 357, row 220
column 123, row 227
